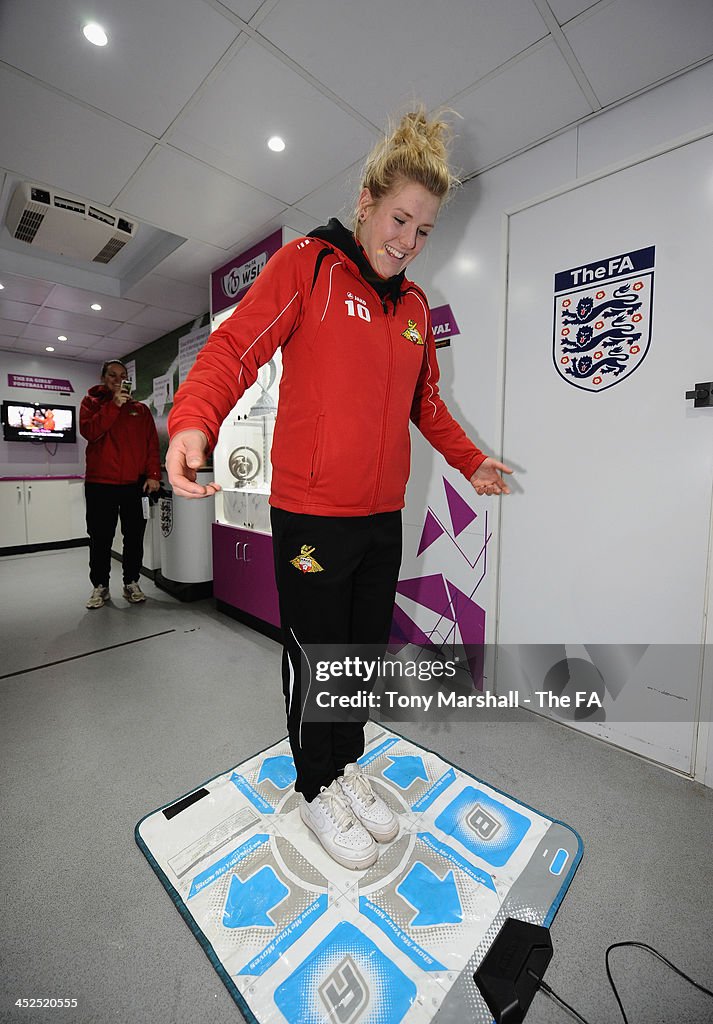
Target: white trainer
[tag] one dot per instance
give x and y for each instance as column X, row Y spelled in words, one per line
column 373, row 812
column 98, row 597
column 133, row 593
column 345, row 840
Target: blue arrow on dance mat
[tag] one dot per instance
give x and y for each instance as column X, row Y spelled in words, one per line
column 436, row 899
column 248, row 902
column 405, row 769
column 279, row 770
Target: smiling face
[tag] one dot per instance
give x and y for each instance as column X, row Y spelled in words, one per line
column 113, row 376
column 393, row 230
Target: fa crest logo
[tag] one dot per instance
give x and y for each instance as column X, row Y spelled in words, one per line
column 304, row 561
column 412, row 334
column 603, row 319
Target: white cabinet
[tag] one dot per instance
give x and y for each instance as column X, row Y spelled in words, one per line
column 12, row 513
column 40, row 511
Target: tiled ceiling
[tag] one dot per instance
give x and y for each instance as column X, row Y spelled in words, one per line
column 168, row 124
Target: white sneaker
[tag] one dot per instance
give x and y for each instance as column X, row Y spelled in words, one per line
column 374, row 814
column 98, row 598
column 133, row 593
column 341, row 835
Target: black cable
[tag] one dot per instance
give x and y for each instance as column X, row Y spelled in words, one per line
column 553, row 995
column 642, row 945
column 617, row 945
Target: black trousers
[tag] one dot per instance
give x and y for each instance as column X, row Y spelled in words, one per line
column 106, row 504
column 336, row 579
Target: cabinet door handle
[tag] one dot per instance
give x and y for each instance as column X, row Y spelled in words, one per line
column 19, row 495
column 245, row 553
column 29, row 494
column 237, row 551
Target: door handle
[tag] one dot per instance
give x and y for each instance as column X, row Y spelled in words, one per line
column 29, row 494
column 702, row 395
column 245, row 553
column 237, row 551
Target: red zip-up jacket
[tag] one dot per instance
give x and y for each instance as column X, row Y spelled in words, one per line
column 122, row 441
column 354, row 371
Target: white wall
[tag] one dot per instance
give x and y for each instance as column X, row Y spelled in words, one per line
column 36, row 459
column 464, row 265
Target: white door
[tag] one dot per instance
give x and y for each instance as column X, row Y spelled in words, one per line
column 603, row 568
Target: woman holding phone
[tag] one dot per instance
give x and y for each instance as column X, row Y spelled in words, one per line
column 122, row 465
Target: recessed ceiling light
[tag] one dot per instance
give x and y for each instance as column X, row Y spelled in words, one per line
column 95, row 305
column 61, row 337
column 49, row 349
column 276, row 144
column 95, row 34
column 1, row 287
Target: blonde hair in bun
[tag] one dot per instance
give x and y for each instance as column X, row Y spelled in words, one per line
column 416, row 150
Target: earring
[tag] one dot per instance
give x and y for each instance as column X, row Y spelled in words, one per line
column 362, row 217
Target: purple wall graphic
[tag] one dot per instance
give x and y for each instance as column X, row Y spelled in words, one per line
column 464, row 617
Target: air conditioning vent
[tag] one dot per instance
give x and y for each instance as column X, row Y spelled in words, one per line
column 109, row 251
column 29, row 225
column 67, row 225
column 101, row 215
column 69, row 204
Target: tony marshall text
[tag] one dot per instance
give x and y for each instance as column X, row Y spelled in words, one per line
column 422, row 702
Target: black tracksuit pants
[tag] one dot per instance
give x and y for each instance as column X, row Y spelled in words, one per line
column 106, row 504
column 336, row 579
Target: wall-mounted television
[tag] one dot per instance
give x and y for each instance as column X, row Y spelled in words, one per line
column 43, row 421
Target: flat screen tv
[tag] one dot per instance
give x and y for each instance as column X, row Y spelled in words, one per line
column 45, row 421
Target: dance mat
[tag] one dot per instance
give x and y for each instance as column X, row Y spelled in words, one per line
column 296, row 938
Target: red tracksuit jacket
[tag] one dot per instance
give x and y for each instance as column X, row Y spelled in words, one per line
column 123, row 442
column 355, row 370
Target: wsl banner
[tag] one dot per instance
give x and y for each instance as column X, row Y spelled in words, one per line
column 603, row 319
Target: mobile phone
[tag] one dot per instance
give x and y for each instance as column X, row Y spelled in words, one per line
column 126, row 386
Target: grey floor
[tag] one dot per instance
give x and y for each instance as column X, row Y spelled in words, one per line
column 106, row 715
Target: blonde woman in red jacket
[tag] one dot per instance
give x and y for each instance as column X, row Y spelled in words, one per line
column 122, row 464
column 358, row 363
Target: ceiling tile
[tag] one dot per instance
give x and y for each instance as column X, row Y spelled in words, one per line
column 92, row 155
column 162, row 320
column 335, row 199
column 645, row 122
column 174, row 295
column 22, row 311
column 76, row 300
column 321, row 139
column 532, row 98
column 430, row 55
column 198, row 201
column 565, row 10
column 628, row 45
column 134, row 333
column 159, row 52
column 71, row 352
column 24, row 289
column 107, row 348
column 29, row 345
column 40, row 332
column 193, row 262
column 11, row 327
column 66, row 322
column 7, row 341
column 244, row 9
